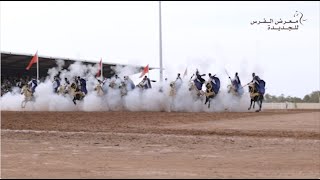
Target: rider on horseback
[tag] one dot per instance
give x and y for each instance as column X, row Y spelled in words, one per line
column 33, row 84
column 211, row 78
column 215, row 83
column 237, row 79
column 56, row 84
column 115, row 82
column 28, row 88
column 236, row 83
column 212, row 88
column 256, row 81
column 83, row 85
column 129, row 83
column 178, row 81
column 146, row 84
column 257, row 90
column 67, row 83
column 199, row 77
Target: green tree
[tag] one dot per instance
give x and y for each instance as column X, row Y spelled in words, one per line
column 306, row 98
column 314, row 97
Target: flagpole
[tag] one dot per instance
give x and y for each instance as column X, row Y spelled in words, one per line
column 160, row 43
column 37, row 67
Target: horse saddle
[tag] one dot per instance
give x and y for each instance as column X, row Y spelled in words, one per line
column 210, row 93
column 252, row 95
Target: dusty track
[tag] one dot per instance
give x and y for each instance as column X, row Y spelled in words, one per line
column 269, row 144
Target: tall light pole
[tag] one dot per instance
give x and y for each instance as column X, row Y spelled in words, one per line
column 160, row 43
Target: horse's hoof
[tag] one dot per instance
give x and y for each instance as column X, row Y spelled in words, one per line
column 248, row 109
column 257, row 111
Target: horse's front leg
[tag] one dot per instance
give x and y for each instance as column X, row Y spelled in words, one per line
column 23, row 103
column 259, row 104
column 250, row 104
column 74, row 101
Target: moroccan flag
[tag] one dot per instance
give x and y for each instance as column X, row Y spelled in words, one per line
column 100, row 65
column 33, row 60
column 145, row 71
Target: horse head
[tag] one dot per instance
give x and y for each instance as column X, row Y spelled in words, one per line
column 140, row 85
column 114, row 85
column 208, row 85
column 73, row 86
column 62, row 89
column 232, row 89
column 172, row 84
column 191, row 85
column 172, row 88
column 99, row 90
column 26, row 91
column 123, row 88
column 28, row 96
column 251, row 88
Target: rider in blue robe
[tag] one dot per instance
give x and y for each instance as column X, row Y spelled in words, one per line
column 199, row 80
column 33, row 83
column 259, row 83
column 56, row 84
column 83, row 85
column 215, row 82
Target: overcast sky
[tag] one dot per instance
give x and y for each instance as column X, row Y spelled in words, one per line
column 211, row 36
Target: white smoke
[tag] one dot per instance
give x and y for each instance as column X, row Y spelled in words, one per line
column 136, row 100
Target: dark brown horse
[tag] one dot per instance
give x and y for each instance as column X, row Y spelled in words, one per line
column 255, row 97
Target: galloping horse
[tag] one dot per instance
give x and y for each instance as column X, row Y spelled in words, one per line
column 126, row 85
column 28, row 96
column 123, row 89
column 142, row 87
column 255, row 95
column 212, row 89
column 209, row 93
column 62, row 90
column 76, row 93
column 233, row 90
column 99, row 90
column 173, row 90
column 195, row 86
column 113, row 85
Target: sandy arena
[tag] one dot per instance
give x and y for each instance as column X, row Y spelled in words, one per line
column 269, row 144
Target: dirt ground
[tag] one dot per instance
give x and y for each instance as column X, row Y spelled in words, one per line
column 269, row 144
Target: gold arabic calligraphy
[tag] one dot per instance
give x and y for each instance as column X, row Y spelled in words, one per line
column 275, row 24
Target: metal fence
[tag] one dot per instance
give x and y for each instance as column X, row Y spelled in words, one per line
column 290, row 105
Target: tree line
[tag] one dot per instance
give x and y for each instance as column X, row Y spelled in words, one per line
column 313, row 97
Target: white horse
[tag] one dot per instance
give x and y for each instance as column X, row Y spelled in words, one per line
column 195, row 92
column 173, row 90
column 28, row 96
column 62, row 90
column 232, row 89
column 99, row 90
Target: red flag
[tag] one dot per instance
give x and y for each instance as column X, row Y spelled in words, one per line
column 33, row 60
column 145, row 71
column 100, row 65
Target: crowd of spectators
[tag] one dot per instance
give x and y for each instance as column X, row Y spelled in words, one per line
column 8, row 82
